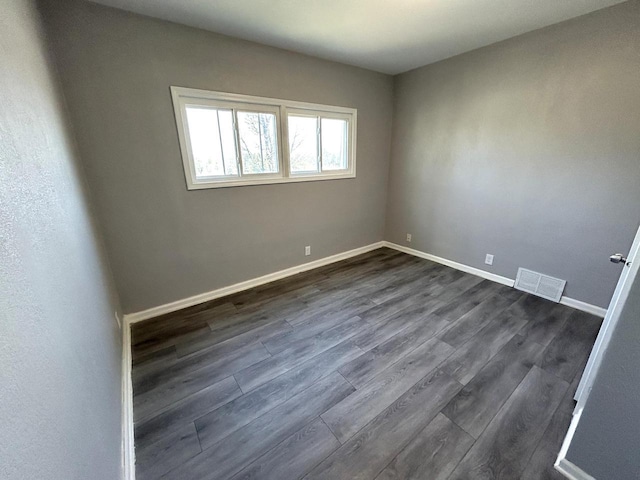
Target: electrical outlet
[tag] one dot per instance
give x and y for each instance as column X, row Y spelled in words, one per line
column 488, row 259
column 409, row 237
column 307, row 250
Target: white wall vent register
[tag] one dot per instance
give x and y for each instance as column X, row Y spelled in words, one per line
column 539, row 284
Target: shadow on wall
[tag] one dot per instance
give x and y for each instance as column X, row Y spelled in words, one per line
column 61, row 348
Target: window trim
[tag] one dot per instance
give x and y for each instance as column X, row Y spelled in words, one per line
column 182, row 96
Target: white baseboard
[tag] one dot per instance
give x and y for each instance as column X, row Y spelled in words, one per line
column 450, row 263
column 130, row 318
column 571, row 471
column 564, row 466
column 239, row 287
column 128, row 446
column 585, row 307
column 570, row 302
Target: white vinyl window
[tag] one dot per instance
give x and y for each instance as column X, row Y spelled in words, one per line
column 232, row 140
column 318, row 142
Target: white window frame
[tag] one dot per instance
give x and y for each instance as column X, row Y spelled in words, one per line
column 320, row 114
column 183, row 97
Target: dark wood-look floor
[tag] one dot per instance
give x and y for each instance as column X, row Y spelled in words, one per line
column 383, row 366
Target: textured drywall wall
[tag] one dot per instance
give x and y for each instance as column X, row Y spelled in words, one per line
column 527, row 149
column 605, row 443
column 60, row 348
column 166, row 242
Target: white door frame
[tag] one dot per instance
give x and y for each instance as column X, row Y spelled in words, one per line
column 620, row 295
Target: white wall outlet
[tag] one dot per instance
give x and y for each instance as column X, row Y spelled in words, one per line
column 488, row 259
column 409, row 237
column 307, row 250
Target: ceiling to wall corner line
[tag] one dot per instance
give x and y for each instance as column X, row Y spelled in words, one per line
column 381, row 35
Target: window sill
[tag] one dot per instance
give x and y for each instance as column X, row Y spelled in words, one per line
column 267, row 181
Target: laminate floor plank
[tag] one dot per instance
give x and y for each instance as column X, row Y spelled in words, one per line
column 367, row 258
column 230, row 327
column 504, row 448
column 367, row 453
column 287, row 338
column 532, row 308
column 186, row 411
column 425, row 295
column 381, row 366
column 450, row 289
column 231, row 353
column 355, row 411
column 367, row 261
column 295, row 456
column 141, row 359
column 179, row 384
column 296, row 286
column 316, row 306
column 175, row 323
column 441, row 276
column 377, row 334
column 479, row 401
column 281, row 288
column 383, row 311
column 161, row 341
column 544, row 329
column 359, row 371
column 571, row 346
column 165, row 366
column 432, row 454
column 372, row 276
column 156, row 459
column 261, row 311
column 262, row 333
column 540, row 466
column 461, row 330
column 223, row 421
column 469, row 359
column 467, row 300
column 299, row 352
column 275, row 308
column 349, row 307
column 241, row 448
column 363, row 286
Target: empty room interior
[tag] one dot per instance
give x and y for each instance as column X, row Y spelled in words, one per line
column 375, row 240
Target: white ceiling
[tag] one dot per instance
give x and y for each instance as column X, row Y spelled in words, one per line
column 390, row 36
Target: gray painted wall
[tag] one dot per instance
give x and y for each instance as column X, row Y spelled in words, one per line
column 606, row 443
column 527, row 149
column 166, row 243
column 60, row 348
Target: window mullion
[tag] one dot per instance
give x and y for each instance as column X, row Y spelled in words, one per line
column 224, row 165
column 319, row 145
column 236, row 132
column 283, row 138
column 260, row 137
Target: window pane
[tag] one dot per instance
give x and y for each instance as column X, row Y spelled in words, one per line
column 228, row 136
column 258, row 142
column 303, row 144
column 334, row 144
column 212, row 156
